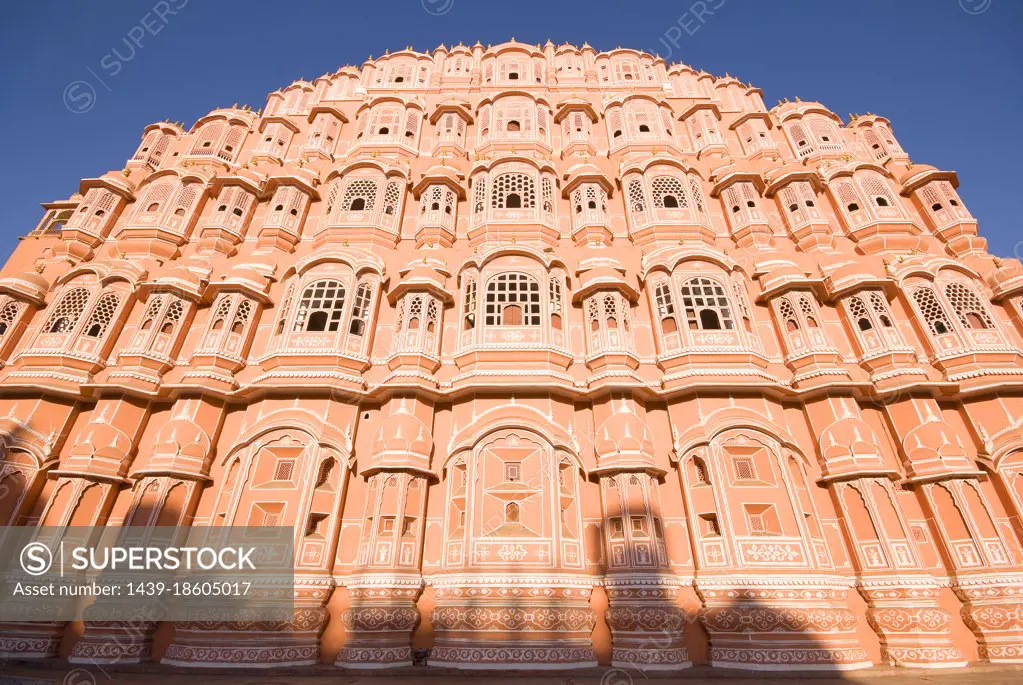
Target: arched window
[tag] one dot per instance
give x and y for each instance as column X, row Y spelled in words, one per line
column 8, row 315
column 637, row 204
column 67, row 313
column 554, row 303
column 665, row 308
column 101, row 316
column 931, row 310
column 321, row 307
column 360, row 310
column 513, row 191
column 469, row 305
column 360, row 195
column 706, row 305
column 860, row 315
column 668, row 193
column 967, row 306
column 392, row 195
column 241, row 316
column 513, row 300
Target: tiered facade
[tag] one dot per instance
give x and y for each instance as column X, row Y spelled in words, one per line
column 551, row 357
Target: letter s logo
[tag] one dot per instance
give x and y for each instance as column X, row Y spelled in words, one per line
column 36, row 559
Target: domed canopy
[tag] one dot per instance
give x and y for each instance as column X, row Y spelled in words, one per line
column 402, row 441
column 626, row 435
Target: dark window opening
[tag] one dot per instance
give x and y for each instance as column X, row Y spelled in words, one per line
column 513, row 201
column 358, row 204
column 709, row 320
column 669, row 202
column 317, row 321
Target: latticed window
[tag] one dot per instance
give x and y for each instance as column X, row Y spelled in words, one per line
column 154, row 200
column 931, row 310
column 554, row 300
column 8, row 315
column 847, row 196
column 361, row 194
column 799, row 201
column 879, row 305
column 479, row 196
column 637, row 204
column 282, row 315
column 67, row 313
column 860, row 314
column 411, row 126
column 513, row 300
column 967, row 306
column 798, row 311
column 205, row 142
column 614, row 123
column 547, row 190
column 668, row 193
column 801, row 140
column 241, row 316
column 469, row 304
column 392, row 195
column 788, row 314
column 360, row 310
column 827, row 134
column 665, row 307
column 705, row 303
column 101, row 316
column 744, row 469
column 321, row 307
column 232, row 202
column 879, row 192
column 808, row 309
column 219, row 319
column 513, row 191
column 697, row 193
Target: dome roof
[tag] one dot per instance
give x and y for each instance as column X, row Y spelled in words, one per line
column 402, row 435
column 624, row 434
column 181, row 436
column 27, row 284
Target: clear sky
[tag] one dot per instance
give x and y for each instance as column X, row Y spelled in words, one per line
column 946, row 72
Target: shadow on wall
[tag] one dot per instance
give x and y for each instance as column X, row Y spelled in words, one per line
column 651, row 630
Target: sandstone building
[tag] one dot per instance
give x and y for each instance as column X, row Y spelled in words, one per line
column 552, row 357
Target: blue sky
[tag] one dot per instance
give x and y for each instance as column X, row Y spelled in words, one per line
column 946, row 72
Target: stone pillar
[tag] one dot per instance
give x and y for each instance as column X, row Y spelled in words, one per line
column 803, row 623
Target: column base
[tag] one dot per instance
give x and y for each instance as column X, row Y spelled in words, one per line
column 30, row 640
column 780, row 623
column 380, row 622
column 913, row 628
column 513, row 623
column 114, row 642
column 646, row 623
column 256, row 644
column 993, row 610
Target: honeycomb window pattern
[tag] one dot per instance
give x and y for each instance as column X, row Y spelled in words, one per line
column 513, row 191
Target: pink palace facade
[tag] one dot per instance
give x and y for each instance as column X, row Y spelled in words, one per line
column 552, row 357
